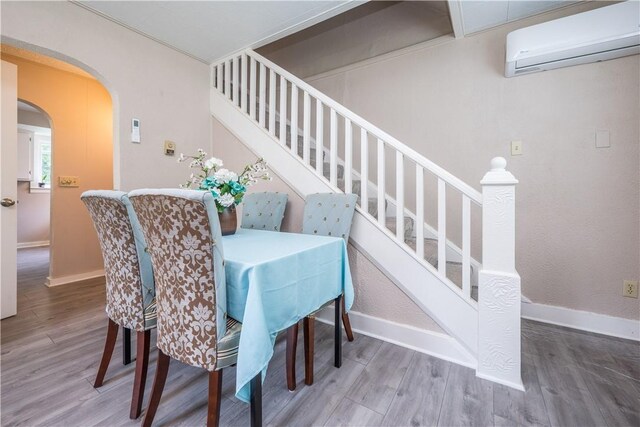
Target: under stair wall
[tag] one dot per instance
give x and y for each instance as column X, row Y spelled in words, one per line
column 247, row 87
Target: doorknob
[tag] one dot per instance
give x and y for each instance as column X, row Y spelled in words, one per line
column 6, row 202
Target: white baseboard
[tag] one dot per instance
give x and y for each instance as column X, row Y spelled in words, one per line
column 25, row 245
column 73, row 278
column 435, row 344
column 583, row 320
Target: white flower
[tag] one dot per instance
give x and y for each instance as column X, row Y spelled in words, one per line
column 225, row 175
column 226, row 200
column 201, row 151
column 182, row 158
column 213, row 163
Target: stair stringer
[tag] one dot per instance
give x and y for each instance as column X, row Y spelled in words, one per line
column 417, row 279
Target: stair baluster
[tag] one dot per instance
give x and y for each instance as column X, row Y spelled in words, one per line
column 382, row 217
column 272, row 102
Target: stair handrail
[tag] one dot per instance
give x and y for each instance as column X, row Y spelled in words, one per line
column 416, row 157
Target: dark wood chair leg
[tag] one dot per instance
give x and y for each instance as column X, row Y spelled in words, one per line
column 338, row 333
column 292, row 344
column 162, row 370
column 126, row 346
column 347, row 322
column 308, row 328
column 215, row 398
column 109, row 344
column 143, row 341
column 256, row 401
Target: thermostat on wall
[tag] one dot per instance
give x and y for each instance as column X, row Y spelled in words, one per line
column 135, row 130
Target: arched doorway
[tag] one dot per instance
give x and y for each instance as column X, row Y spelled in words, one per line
column 80, row 111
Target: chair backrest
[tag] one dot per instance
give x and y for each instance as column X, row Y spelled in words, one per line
column 128, row 272
column 183, row 235
column 329, row 214
column 263, row 211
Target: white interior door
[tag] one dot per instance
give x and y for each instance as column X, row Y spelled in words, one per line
column 8, row 190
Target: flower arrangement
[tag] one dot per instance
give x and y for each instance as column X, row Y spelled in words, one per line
column 227, row 187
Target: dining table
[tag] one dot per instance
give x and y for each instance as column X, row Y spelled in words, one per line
column 273, row 280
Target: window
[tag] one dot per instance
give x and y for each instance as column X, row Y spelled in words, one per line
column 41, row 177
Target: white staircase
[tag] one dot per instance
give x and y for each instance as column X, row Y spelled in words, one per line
column 317, row 145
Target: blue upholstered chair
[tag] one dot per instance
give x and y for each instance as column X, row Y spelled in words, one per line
column 263, row 211
column 193, row 326
column 129, row 281
column 325, row 214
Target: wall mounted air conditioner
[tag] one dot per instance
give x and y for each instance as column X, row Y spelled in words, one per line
column 598, row 35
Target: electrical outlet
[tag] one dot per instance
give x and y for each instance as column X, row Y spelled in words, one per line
column 630, row 289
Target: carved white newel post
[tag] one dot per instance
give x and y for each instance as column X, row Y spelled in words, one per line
column 498, row 281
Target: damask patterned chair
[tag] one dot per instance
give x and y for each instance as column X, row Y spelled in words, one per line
column 325, row 214
column 185, row 242
column 263, row 211
column 129, row 282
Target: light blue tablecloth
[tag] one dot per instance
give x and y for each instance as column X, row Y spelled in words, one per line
column 274, row 280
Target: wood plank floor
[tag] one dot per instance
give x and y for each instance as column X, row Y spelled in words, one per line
column 51, row 349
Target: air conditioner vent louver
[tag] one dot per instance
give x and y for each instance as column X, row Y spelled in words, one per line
column 527, row 70
column 598, row 35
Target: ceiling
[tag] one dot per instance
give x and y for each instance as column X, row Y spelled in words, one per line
column 480, row 15
column 26, row 107
column 211, row 30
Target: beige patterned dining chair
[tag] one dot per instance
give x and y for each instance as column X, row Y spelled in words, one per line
column 325, row 214
column 185, row 242
column 130, row 287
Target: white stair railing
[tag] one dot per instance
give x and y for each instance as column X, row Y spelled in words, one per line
column 254, row 71
column 253, row 84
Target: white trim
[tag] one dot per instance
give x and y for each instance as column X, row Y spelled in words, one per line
column 583, row 320
column 37, row 130
column 433, row 343
column 73, row 278
column 39, row 190
column 457, row 20
column 24, row 245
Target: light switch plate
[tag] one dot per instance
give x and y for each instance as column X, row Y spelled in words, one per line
column 516, row 148
column 68, row 181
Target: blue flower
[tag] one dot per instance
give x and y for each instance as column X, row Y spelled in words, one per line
column 236, row 187
column 210, row 182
